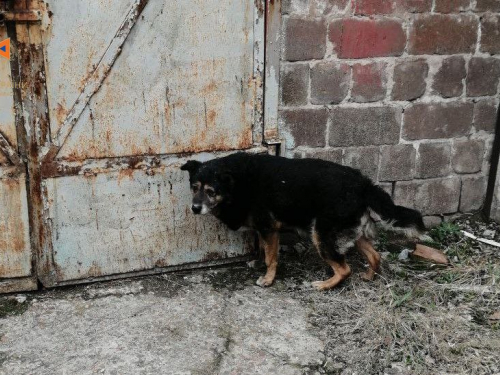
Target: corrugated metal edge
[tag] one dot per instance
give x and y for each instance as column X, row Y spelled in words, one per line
column 155, row 271
column 272, row 71
column 145, row 162
column 22, row 284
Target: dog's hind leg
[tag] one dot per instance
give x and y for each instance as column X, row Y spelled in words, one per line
column 269, row 242
column 327, row 248
column 365, row 247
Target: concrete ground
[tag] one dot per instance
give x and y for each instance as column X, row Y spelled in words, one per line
column 413, row 318
column 170, row 325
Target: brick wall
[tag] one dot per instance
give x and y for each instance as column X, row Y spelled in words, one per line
column 405, row 90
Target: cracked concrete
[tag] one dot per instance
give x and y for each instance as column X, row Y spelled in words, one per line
column 146, row 327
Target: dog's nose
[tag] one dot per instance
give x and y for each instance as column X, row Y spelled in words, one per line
column 196, row 209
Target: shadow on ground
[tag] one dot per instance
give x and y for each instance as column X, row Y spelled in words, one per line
column 414, row 318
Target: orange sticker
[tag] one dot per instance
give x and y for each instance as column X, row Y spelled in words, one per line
column 5, row 48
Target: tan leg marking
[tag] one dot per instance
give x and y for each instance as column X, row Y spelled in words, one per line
column 270, row 244
column 365, row 247
column 342, row 272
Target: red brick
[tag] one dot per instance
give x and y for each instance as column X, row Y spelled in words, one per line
column 375, row 7
column 433, row 160
column 304, row 39
column 485, row 115
column 473, row 193
column 369, row 82
column 448, row 80
column 437, row 120
column 306, row 126
column 443, row 34
column 483, row 76
column 490, row 34
column 397, row 163
column 334, row 155
column 329, row 82
column 452, row 6
column 415, row 6
column 487, row 5
column 315, row 8
column 325, row 7
column 430, row 197
column 468, row 156
column 294, row 84
column 364, row 126
column 409, row 80
column 363, row 158
column 359, row 38
column 371, row 7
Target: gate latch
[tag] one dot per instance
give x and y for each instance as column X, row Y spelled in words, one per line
column 20, row 16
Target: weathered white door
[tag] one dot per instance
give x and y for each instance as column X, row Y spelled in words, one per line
column 15, row 249
column 134, row 88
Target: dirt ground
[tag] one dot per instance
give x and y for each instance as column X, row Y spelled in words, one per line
column 414, row 318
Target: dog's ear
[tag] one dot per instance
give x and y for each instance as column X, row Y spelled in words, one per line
column 191, row 166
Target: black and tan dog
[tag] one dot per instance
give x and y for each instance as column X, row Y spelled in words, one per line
column 332, row 202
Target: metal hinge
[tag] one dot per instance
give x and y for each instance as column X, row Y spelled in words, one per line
column 20, row 16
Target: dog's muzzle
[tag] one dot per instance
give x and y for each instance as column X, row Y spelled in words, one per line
column 196, row 209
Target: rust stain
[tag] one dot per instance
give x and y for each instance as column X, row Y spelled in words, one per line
column 54, row 169
column 212, row 256
column 211, row 115
column 260, row 7
column 61, row 113
column 125, row 173
column 12, row 228
column 94, row 270
column 210, row 88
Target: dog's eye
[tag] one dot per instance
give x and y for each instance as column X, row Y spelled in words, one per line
column 195, row 188
column 211, row 193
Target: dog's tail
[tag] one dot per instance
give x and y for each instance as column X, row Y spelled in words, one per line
column 396, row 218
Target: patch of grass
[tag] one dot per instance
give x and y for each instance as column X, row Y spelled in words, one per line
column 400, row 298
column 10, row 306
column 382, row 240
column 445, row 233
column 447, row 277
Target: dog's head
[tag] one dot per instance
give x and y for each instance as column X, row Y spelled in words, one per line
column 209, row 185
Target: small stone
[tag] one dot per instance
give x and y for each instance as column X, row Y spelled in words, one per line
column 331, row 366
column 300, row 248
column 20, row 298
column 404, row 254
column 488, row 233
column 429, row 360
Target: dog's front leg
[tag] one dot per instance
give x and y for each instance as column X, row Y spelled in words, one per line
column 269, row 242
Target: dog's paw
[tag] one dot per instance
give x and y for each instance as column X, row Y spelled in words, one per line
column 368, row 275
column 319, row 285
column 263, row 282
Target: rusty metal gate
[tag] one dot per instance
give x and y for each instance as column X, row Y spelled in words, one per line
column 106, row 99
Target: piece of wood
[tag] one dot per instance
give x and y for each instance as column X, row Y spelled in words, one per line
column 483, row 240
column 430, row 254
